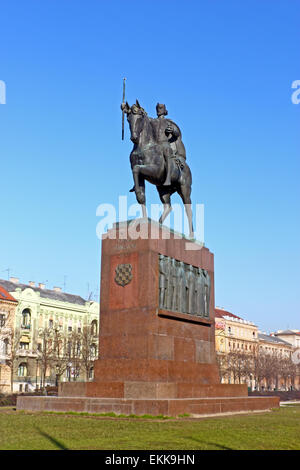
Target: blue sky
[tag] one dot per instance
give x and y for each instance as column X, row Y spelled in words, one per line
column 224, row 70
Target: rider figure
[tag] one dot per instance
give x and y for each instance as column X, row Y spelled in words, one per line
column 169, row 136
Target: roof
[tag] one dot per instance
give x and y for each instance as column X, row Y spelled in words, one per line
column 221, row 313
column 287, row 332
column 45, row 293
column 272, row 339
column 4, row 295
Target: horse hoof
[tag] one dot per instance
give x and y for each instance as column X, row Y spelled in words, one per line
column 140, row 196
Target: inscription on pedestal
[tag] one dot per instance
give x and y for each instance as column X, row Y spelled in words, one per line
column 183, row 288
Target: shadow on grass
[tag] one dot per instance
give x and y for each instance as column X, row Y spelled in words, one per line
column 217, row 446
column 54, row 441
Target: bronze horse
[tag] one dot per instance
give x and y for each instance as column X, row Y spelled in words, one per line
column 148, row 164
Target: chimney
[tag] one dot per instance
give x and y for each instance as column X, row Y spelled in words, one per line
column 15, row 280
column 57, row 289
column 31, row 283
column 41, row 285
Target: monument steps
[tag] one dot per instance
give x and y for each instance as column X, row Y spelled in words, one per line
column 150, row 390
column 166, row 407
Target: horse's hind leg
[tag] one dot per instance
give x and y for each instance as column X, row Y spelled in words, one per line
column 165, row 198
column 185, row 194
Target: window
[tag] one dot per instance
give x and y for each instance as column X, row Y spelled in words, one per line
column 22, row 370
column 26, row 318
column 93, row 350
column 94, row 327
column 5, row 346
column 2, row 320
column 50, row 324
column 24, row 345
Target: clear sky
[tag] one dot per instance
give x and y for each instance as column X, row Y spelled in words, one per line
column 224, row 69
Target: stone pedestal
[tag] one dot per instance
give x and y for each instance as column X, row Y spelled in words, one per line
column 152, row 359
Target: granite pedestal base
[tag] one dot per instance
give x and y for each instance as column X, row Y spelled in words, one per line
column 152, row 360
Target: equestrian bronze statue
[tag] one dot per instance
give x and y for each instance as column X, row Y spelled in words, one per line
column 158, row 156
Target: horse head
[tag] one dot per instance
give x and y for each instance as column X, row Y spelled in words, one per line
column 135, row 118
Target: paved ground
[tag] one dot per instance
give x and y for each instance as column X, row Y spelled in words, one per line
column 295, row 402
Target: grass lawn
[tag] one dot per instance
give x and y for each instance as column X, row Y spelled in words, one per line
column 276, row 430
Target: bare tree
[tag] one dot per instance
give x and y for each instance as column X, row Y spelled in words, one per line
column 287, row 371
column 73, row 354
column 88, row 350
column 13, row 349
column 258, row 367
column 238, row 366
column 59, row 359
column 45, row 353
column 11, row 342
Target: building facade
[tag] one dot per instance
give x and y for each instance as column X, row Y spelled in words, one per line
column 41, row 315
column 281, row 372
column 233, row 333
column 8, row 305
column 246, row 355
column 290, row 336
column 236, row 340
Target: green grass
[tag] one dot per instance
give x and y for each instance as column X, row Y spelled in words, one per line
column 276, row 430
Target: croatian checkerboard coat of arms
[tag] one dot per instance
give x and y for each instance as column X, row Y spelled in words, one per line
column 123, row 274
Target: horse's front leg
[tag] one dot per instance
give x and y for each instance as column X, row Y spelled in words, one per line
column 140, row 172
column 139, row 189
column 139, row 184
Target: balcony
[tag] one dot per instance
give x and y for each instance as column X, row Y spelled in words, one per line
column 26, row 353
